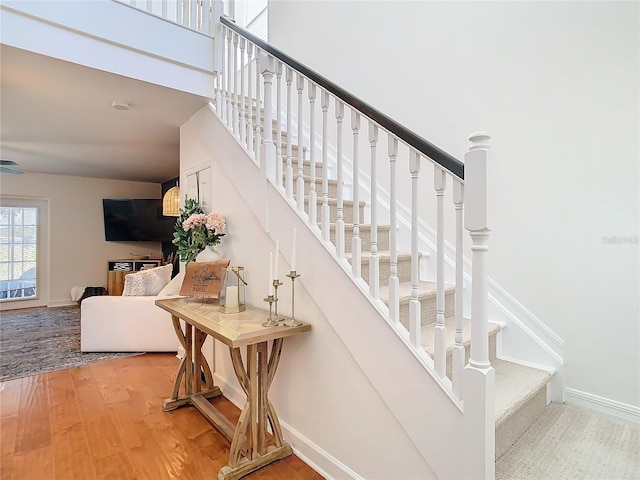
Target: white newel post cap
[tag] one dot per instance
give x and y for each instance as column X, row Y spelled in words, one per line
column 479, row 141
column 475, row 183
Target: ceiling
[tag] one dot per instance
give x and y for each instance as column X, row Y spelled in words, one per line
column 57, row 117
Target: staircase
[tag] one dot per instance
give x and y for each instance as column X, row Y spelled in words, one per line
column 483, row 392
column 521, row 391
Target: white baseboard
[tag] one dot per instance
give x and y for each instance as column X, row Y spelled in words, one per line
column 62, row 303
column 310, row 453
column 605, row 406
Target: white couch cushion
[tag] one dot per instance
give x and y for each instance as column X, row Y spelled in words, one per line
column 147, row 282
column 173, row 287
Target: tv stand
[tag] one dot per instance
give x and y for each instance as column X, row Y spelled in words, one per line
column 118, row 269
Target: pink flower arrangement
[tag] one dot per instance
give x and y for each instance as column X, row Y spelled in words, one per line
column 211, row 221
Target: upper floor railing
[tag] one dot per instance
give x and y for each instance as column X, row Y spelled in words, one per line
column 194, row 14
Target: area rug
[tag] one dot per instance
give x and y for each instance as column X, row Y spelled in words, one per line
column 38, row 340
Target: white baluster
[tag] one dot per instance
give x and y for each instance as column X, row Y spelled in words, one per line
column 229, row 77
column 324, row 209
column 356, row 247
column 313, row 196
column 415, row 309
column 179, row 11
column 243, row 113
column 479, row 375
column 440, row 354
column 278, row 107
column 458, row 349
column 250, row 133
column 289, row 136
column 268, row 154
column 340, row 208
column 164, row 9
column 222, row 112
column 193, row 15
column 206, row 17
column 299, row 176
column 374, row 260
column 394, row 282
column 477, row 223
column 257, row 119
column 235, row 128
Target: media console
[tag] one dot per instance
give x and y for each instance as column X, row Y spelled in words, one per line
column 118, row 269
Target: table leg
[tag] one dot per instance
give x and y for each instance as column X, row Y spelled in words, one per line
column 189, row 369
column 249, row 450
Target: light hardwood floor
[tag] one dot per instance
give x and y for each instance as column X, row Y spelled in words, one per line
column 105, row 421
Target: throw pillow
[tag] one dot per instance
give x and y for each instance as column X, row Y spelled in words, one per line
column 173, row 287
column 147, row 282
column 134, row 285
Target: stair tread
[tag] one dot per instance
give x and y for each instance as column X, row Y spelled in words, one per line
column 382, row 254
column 515, row 385
column 425, row 289
column 332, row 201
column 307, row 178
column 450, row 329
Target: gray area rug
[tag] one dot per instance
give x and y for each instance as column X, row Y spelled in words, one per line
column 38, row 340
column 569, row 442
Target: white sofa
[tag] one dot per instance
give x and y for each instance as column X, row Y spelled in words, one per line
column 125, row 324
column 129, row 323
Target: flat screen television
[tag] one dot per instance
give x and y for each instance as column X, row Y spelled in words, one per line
column 136, row 220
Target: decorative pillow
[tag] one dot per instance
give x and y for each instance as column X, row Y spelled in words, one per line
column 173, row 287
column 147, row 282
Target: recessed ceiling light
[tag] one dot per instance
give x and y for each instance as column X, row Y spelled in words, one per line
column 120, row 105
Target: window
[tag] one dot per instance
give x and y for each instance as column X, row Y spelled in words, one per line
column 18, row 252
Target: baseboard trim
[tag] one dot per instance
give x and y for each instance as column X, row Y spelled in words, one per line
column 310, row 453
column 605, row 406
column 62, row 303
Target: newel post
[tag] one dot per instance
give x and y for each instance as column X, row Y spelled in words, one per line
column 479, row 376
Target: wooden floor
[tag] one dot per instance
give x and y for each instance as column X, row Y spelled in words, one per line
column 105, row 421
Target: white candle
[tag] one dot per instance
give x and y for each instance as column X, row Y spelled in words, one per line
column 293, row 254
column 232, row 296
column 270, row 273
column 275, row 260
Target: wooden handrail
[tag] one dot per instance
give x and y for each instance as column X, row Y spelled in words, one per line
column 448, row 162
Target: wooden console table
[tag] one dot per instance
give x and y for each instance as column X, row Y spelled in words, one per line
column 249, row 449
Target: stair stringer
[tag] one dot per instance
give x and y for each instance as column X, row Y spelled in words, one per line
column 432, row 419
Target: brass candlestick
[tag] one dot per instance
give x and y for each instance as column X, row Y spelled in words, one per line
column 276, row 284
column 270, row 321
column 292, row 322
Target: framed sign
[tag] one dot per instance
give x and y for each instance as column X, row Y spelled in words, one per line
column 204, row 279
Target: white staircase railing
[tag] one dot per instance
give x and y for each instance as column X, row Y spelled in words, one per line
column 252, row 122
column 194, row 14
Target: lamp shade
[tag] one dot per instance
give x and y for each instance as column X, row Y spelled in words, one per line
column 171, row 203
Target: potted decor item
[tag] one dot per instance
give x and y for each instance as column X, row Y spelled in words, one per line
column 197, row 232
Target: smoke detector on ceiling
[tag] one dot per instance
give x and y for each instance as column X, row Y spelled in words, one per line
column 120, row 105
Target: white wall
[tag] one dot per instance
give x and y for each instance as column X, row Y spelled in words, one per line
column 556, row 85
column 78, row 253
